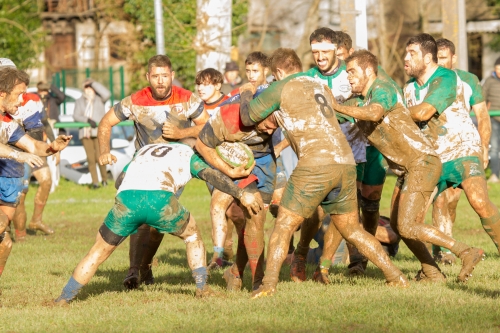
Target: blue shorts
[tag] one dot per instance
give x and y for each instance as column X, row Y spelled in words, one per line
column 265, row 171
column 10, row 191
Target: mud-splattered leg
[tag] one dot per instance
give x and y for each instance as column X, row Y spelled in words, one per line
column 476, row 190
column 219, row 204
column 42, row 194
column 196, row 256
column 367, row 244
column 442, row 209
column 309, row 228
column 19, row 219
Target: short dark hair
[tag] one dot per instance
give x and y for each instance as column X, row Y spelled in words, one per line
column 427, row 44
column 209, row 75
column 344, row 40
column 322, row 34
column 443, row 43
column 257, row 58
column 285, row 59
column 11, row 77
column 364, row 59
column 159, row 60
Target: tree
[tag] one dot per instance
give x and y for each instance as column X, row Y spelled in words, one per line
column 22, row 37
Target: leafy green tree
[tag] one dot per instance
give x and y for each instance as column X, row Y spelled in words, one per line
column 180, row 30
column 21, row 37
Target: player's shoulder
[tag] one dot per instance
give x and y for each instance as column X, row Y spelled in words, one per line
column 444, row 73
column 30, row 97
column 468, row 77
column 142, row 97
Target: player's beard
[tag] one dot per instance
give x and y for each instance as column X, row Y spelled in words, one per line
column 161, row 95
column 416, row 70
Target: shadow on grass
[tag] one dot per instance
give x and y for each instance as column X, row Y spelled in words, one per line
column 479, row 291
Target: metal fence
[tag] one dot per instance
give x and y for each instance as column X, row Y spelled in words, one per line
column 113, row 78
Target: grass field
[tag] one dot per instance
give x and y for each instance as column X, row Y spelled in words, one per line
column 38, row 269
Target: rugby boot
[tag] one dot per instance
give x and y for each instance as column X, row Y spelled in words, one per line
column 34, row 226
column 298, row 268
column 60, row 302
column 146, row 276
column 357, row 268
column 233, row 281
column 132, row 279
column 446, row 258
column 263, row 291
column 204, row 292
column 470, row 258
column 321, row 275
column 422, row 277
column 401, row 282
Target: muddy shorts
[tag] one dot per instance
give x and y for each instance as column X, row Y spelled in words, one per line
column 26, row 178
column 331, row 186
column 456, row 171
column 265, row 171
column 422, row 176
column 158, row 209
column 10, row 191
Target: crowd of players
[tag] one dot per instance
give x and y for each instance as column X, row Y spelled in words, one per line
column 319, row 140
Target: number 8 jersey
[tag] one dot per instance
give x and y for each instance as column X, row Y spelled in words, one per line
column 162, row 166
column 302, row 107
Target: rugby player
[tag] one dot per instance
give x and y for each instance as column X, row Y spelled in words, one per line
column 371, row 175
column 29, row 117
column 225, row 125
column 445, row 205
column 161, row 113
column 208, row 84
column 13, row 85
column 147, row 193
column 435, row 97
column 389, row 127
column 326, row 172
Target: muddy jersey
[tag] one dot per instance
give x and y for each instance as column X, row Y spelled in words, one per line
column 162, row 166
column 211, row 108
column 29, row 117
column 149, row 114
column 302, row 107
column 473, row 92
column 225, row 125
column 396, row 135
column 451, row 129
column 10, row 133
column 341, row 89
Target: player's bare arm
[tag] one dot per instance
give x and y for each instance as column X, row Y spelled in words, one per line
column 41, row 148
column 484, row 128
column 22, row 157
column 104, row 137
column 373, row 112
column 280, row 146
column 422, row 112
column 248, row 87
column 225, row 184
column 212, row 158
column 170, row 131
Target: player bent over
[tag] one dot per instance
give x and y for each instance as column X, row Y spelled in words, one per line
column 225, row 126
column 147, row 195
column 389, row 127
column 325, row 174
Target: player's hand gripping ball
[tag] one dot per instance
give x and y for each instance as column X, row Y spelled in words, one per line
column 235, row 154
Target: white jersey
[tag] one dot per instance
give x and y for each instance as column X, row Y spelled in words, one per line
column 161, row 167
column 452, row 132
column 341, row 90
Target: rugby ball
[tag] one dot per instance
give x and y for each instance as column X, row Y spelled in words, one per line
column 235, row 154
